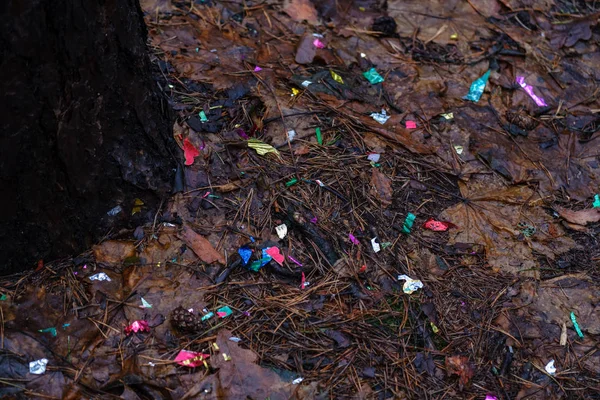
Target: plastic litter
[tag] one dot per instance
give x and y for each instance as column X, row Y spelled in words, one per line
column 207, row 316
column 477, row 87
column 145, row 304
column 191, row 358
column 291, row 134
column 291, row 182
column 576, row 325
column 38, row 367
column 292, row 259
column 448, row 116
column 51, row 330
column 411, row 125
column 529, row 89
column 224, row 311
column 257, row 69
column 353, row 239
column 306, row 83
column 596, row 203
column 410, row 285
column 459, row 149
column 295, row 92
column 408, row 223
column 318, row 44
column 438, row 226
column 297, row 381
column 258, row 264
column 245, row 254
column 114, row 211
column 550, row 368
column 375, row 245
column 336, row 77
column 281, row 230
column 100, row 276
column 137, row 326
column 276, row 255
column 235, row 339
column 380, row 117
column 261, row 147
column 189, row 151
column 202, row 116
column 374, row 157
column 137, row 206
column 303, row 281
column 319, row 136
column 373, row 76
column 490, row 397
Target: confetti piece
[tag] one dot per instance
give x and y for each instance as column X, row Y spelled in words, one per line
column 434, row 328
column 410, row 285
column 137, row 206
column 454, row 36
column 374, row 157
column 529, row 89
column 297, row 381
column 375, row 245
column 362, row 269
column 191, row 358
column 314, row 220
column 245, row 254
column 51, row 330
column 257, row 69
column 408, row 223
column 235, row 339
column 291, row 135
column 242, row 134
column 318, row 44
column 137, row 326
column 101, row 276
column 373, row 76
column 448, row 116
column 550, row 369
column 145, row 304
column 490, row 397
column 596, row 203
column 276, row 254
column 576, row 325
column 226, row 357
column 353, row 239
column 281, row 230
column 411, row 124
column 303, row 281
column 336, row 77
column 380, row 117
column 295, row 92
column 319, row 136
column 190, row 152
column 38, row 367
column 207, row 316
column 224, row 312
column 261, row 147
column 292, row 259
column 202, row 116
column 113, row 211
column 306, row 83
column 291, row 182
column 438, row 226
column 477, row 87
column 459, row 149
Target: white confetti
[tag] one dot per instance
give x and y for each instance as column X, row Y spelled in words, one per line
column 306, row 83
column 281, row 230
column 374, row 157
column 38, row 367
column 145, row 304
column 380, row 117
column 375, row 245
column 410, row 285
column 100, row 276
column 114, row 211
column 297, row 381
column 459, row 149
column 550, row 368
column 235, row 339
column 291, row 135
column 317, row 35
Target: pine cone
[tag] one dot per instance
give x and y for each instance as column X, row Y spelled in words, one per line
column 185, row 321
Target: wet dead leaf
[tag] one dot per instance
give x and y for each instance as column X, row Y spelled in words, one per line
column 301, row 10
column 201, row 246
column 381, row 187
column 582, row 217
column 113, row 251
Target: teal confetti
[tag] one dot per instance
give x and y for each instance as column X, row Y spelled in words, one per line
column 207, row 316
column 408, row 223
column 51, row 330
column 576, row 325
column 596, row 203
column 373, row 76
column 224, row 312
column 65, row 326
column 145, row 304
column 202, row 116
column 477, row 87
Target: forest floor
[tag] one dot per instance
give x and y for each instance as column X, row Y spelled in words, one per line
column 273, row 272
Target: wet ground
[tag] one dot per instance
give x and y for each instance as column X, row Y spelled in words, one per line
column 489, row 202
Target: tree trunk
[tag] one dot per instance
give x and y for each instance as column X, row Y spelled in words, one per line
column 84, row 127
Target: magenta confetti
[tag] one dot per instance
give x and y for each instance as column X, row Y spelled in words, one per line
column 529, row 89
column 203, row 145
column 206, row 194
column 318, row 44
column 490, row 397
column 246, row 313
column 292, row 259
column 242, row 134
column 314, row 220
column 303, row 283
column 353, row 239
column 257, row 68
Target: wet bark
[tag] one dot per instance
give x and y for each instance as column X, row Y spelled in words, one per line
column 84, row 125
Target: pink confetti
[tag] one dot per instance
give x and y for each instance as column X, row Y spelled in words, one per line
column 137, row 326
column 276, row 254
column 411, row 125
column 295, row 261
column 353, row 239
column 191, row 358
column 221, row 314
column 303, row 282
column 490, row 397
column 529, row 89
column 257, row 68
column 206, row 194
column 318, row 44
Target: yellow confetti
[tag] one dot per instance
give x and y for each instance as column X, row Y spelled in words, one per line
column 434, row 328
column 295, row 92
column 454, row 36
column 226, row 357
column 261, row 147
column 216, row 346
column 137, row 206
column 448, row 116
column 336, row 77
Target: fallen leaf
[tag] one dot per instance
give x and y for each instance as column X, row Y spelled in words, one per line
column 461, row 366
column 200, row 246
column 301, row 10
column 113, row 251
column 582, row 217
column 381, row 187
column 340, row 339
column 261, row 147
column 306, row 51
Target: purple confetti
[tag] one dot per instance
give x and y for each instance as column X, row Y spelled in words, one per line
column 353, row 239
column 295, row 261
column 490, row 397
column 529, row 89
column 314, row 220
column 242, row 134
column 257, row 68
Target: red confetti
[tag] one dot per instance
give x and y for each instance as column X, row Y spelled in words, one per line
column 189, row 151
column 362, row 269
column 303, row 282
column 137, row 326
column 276, row 255
column 438, row 226
column 40, row 265
column 191, row 358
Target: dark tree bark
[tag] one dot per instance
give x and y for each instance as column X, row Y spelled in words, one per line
column 84, row 125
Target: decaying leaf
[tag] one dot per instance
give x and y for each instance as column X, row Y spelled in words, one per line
column 582, row 217
column 461, row 366
column 113, row 251
column 200, row 246
column 381, row 187
column 301, row 10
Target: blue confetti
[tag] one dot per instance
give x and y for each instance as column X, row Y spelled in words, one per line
column 477, row 87
column 245, row 253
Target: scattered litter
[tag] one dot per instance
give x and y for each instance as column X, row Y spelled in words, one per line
column 137, row 326
column 38, row 367
column 275, row 254
column 150, row 363
column 281, row 230
column 306, row 83
column 207, row 316
column 410, row 285
column 145, row 304
column 314, row 220
column 319, row 136
column 3, row 297
column 490, row 397
column 100, row 276
column 258, row 264
column 137, row 206
column 408, row 223
column 202, row 116
column 226, row 357
column 318, row 44
column 297, row 381
column 375, row 245
column 385, row 245
column 563, row 335
column 257, row 69
column 189, row 151
column 224, row 311
column 374, row 157
column 448, row 116
column 318, row 35
column 596, row 203
column 529, row 89
column 51, row 330
column 353, row 239
column 362, row 269
column 242, row 134
column 291, row 182
column 303, row 281
column 459, row 149
column 191, row 358
column 550, row 368
column 292, row 259
column 576, row 325
column 438, row 226
column 477, row 87
column 454, row 36
column 373, row 76
column 114, row 211
column 434, row 327
column 336, row 77
column 261, row 147
column 295, row 92
column 380, row 117
column 235, row 339
column 291, row 134
column 411, row 125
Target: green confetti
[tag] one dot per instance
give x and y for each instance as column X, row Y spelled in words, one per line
column 3, row 297
column 596, row 203
column 408, row 223
column 576, row 325
column 373, row 76
column 319, row 136
column 51, row 330
column 202, row 116
column 291, row 182
column 385, row 244
column 477, row 87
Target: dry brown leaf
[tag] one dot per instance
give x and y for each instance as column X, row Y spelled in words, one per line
column 201, row 246
column 301, row 10
column 582, row 217
column 381, row 187
column 306, row 51
column 113, row 251
column 461, row 366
